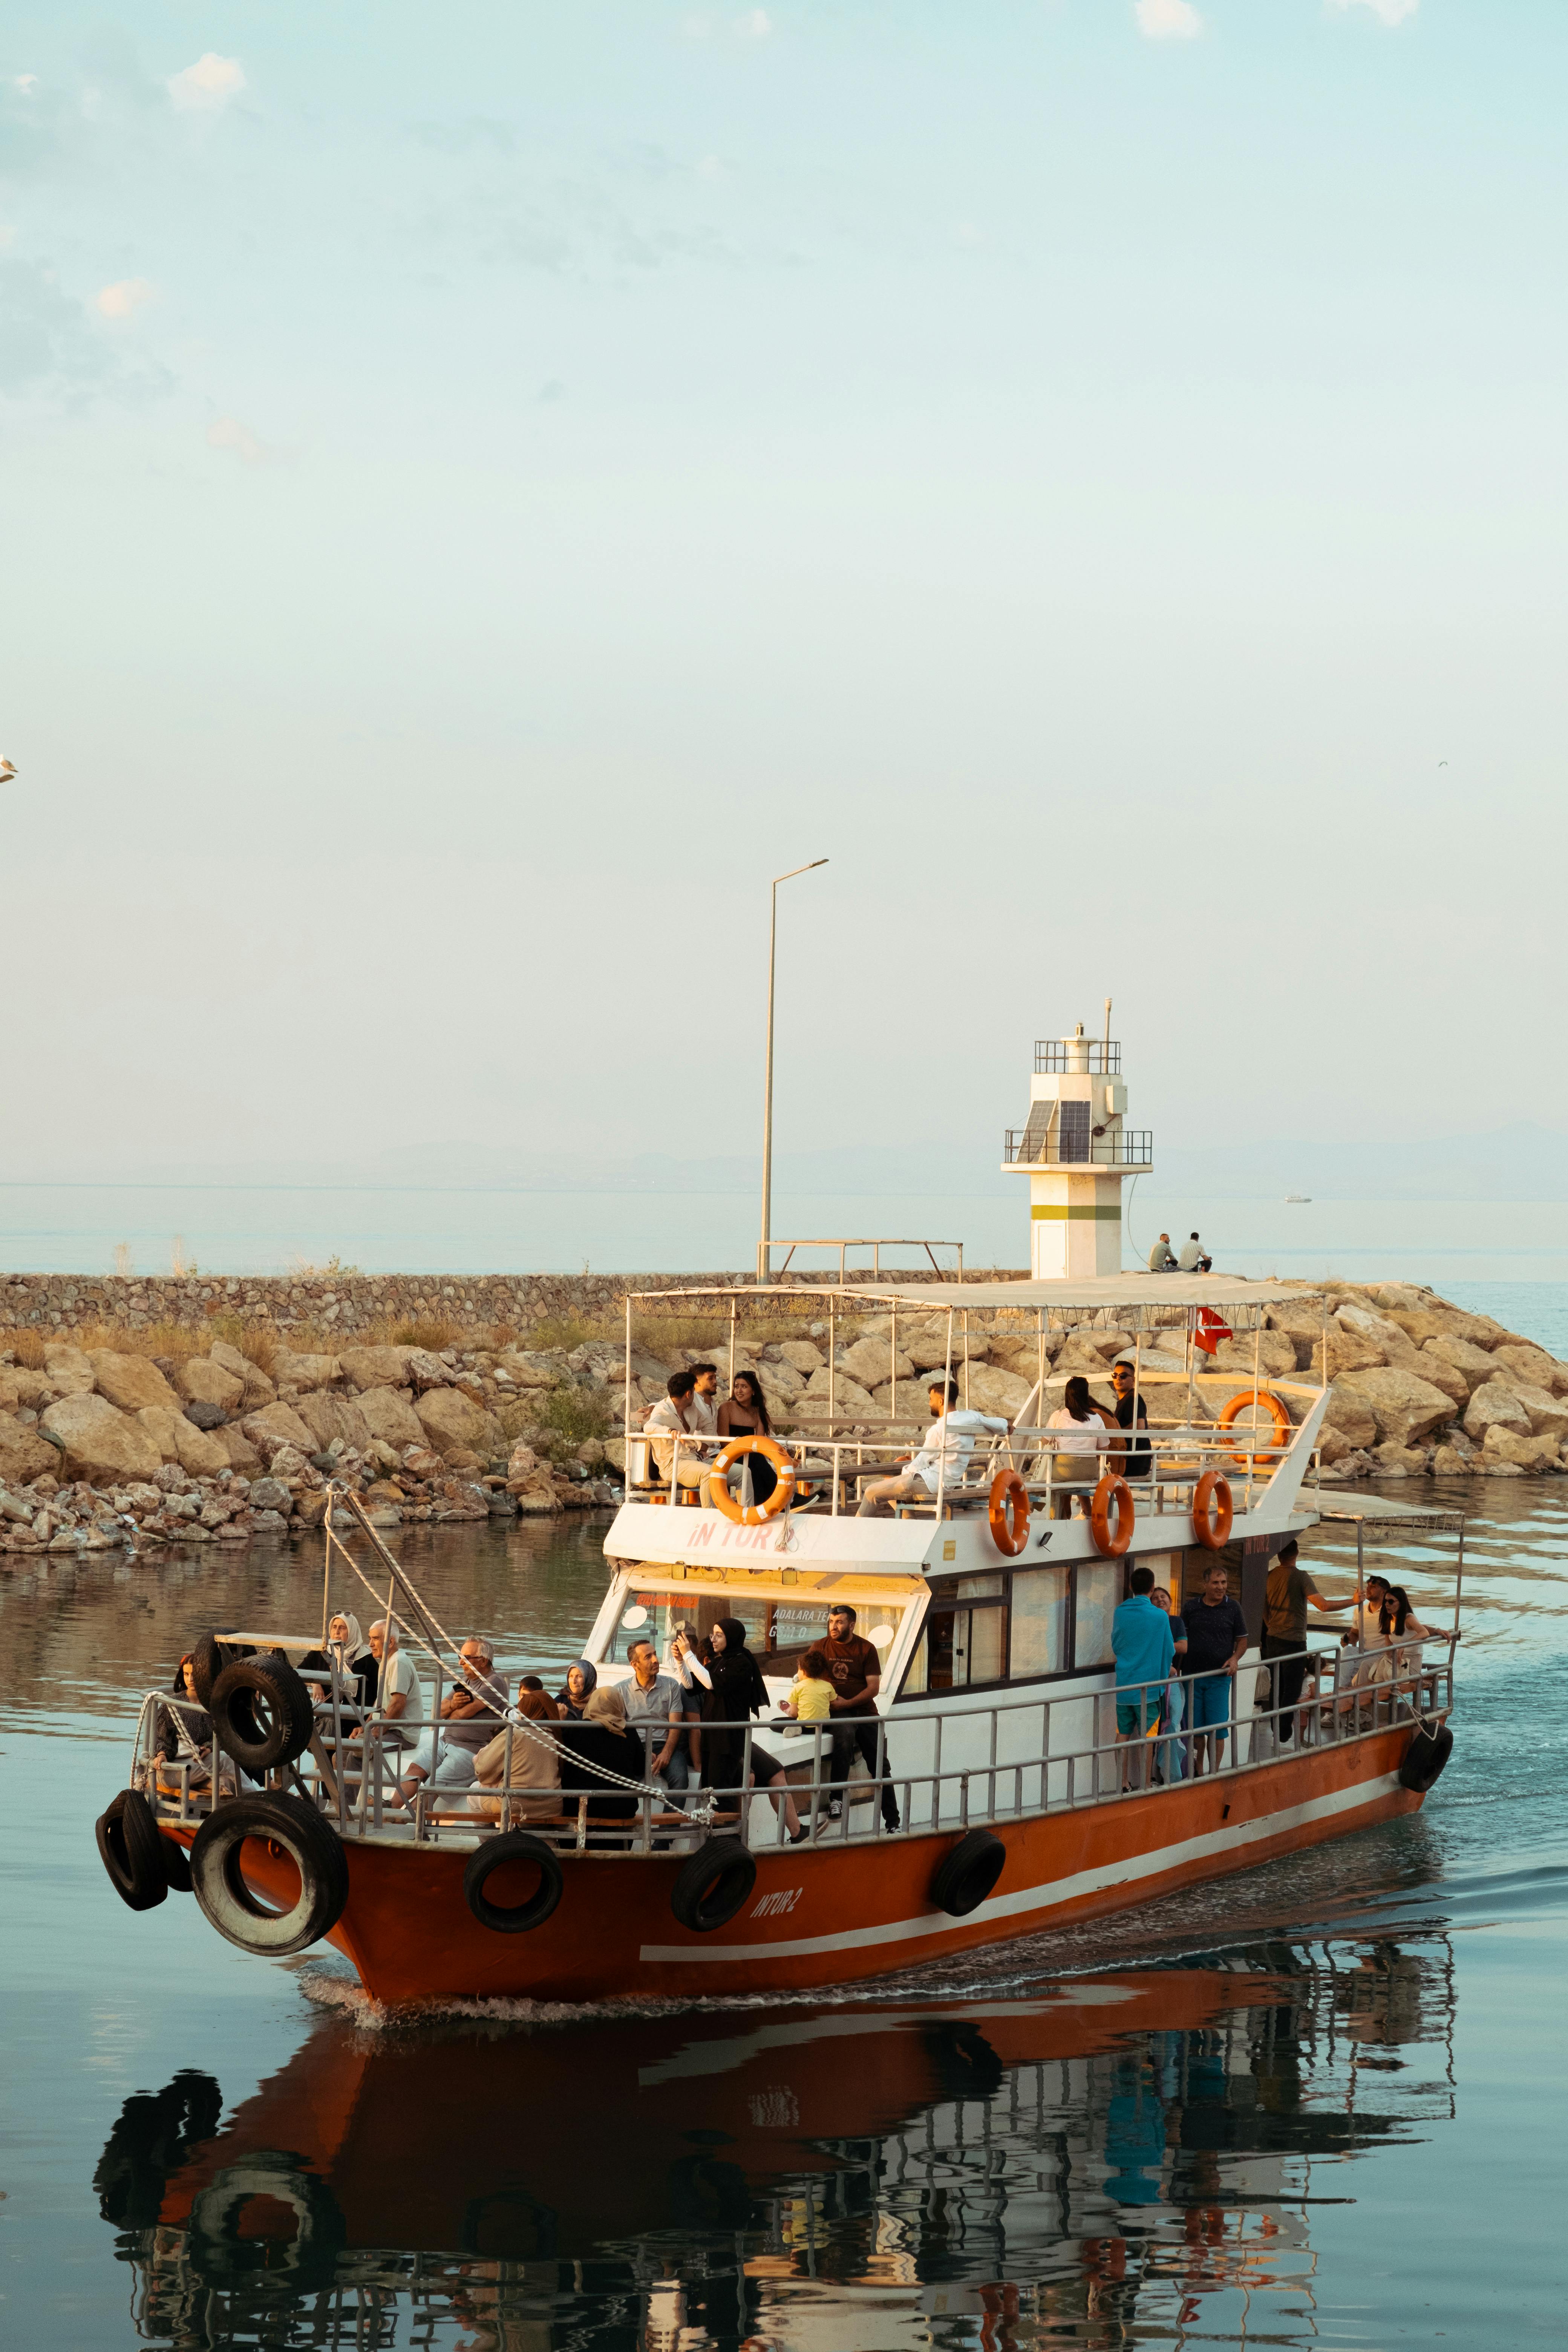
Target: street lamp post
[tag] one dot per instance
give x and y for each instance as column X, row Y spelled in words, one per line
column 765, row 1252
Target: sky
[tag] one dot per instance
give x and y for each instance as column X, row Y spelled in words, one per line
column 484, row 490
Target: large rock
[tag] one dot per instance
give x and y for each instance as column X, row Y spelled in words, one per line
column 376, row 1368
column 23, row 1454
column 200, row 1382
column 870, row 1362
column 276, row 1425
column 1548, row 1414
column 808, row 1358
column 242, row 1455
column 1474, row 1364
column 1275, row 1350
column 1532, row 1364
column 330, row 1417
column 1349, row 1351
column 849, row 1397
column 1404, row 1407
column 907, row 1402
column 1431, row 1321
column 101, row 1443
column 69, row 1370
column 132, row 1382
column 453, row 1423
column 991, row 1390
column 311, row 1372
column 536, row 1494
column 389, row 1415
column 528, row 1370
column 1525, row 1453
column 179, row 1440
column 1495, row 1404
column 257, row 1388
column 1436, row 1370
column 1299, row 1319
column 424, row 1370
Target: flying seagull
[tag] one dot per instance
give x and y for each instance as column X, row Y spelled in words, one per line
column 1442, row 763
column 7, row 771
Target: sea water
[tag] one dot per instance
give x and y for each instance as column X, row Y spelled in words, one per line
column 1318, row 2102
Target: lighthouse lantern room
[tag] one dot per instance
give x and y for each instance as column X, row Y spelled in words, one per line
column 1075, row 1149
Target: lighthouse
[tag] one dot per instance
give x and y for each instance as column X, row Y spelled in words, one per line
column 1075, row 1149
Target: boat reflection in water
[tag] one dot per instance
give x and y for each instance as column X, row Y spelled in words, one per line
column 1120, row 2149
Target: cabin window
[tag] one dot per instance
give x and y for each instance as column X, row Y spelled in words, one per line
column 780, row 1627
column 1039, row 1622
column 965, row 1637
column 1096, row 1591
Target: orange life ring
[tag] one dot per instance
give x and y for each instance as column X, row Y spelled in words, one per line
column 1112, row 1489
column 1009, row 1513
column 1239, row 1404
column 751, row 1515
column 1212, row 1526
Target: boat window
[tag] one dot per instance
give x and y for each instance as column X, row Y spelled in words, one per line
column 1039, row 1622
column 1098, row 1590
column 963, row 1642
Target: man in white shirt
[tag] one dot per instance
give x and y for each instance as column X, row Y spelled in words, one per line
column 1192, row 1258
column 944, row 1456
column 702, row 1404
column 669, row 1419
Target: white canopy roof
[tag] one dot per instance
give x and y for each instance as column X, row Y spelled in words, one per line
column 1139, row 1298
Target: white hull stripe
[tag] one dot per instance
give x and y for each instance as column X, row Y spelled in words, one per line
column 1049, row 1897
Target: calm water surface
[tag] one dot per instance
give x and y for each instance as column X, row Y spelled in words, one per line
column 1321, row 2103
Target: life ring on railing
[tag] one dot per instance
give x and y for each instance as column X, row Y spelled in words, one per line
column 1009, row 1513
column 751, row 1514
column 1112, row 1490
column 1239, row 1404
column 1211, row 1525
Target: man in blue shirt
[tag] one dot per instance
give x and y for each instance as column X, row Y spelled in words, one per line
column 1142, row 1647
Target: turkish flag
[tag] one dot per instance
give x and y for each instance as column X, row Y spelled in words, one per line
column 1209, row 1330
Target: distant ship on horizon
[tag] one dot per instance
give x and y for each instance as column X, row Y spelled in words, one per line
column 1297, row 1198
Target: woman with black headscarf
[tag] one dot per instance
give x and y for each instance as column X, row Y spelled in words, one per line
column 738, row 1692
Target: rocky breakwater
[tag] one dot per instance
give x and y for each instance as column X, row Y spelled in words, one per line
column 106, row 1447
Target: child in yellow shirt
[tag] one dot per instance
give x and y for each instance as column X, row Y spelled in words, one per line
column 811, row 1692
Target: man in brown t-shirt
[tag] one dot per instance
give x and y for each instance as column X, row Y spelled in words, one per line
column 854, row 1670
column 1290, row 1592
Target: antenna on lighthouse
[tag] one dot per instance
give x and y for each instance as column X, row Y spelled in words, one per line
column 1108, row 1030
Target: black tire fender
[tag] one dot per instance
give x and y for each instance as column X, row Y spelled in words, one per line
column 513, row 1919
column 713, row 1884
column 1430, row 1748
column 176, row 1865
column 131, row 1850
column 967, row 1872
column 217, row 1879
column 208, row 1658
column 261, row 1713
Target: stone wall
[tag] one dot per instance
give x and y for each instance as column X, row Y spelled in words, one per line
column 346, row 1303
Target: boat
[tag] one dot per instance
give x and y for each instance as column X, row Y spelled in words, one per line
column 992, row 1797
column 1297, row 1199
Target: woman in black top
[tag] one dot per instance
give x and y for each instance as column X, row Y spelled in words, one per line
column 1138, row 1460
column 738, row 1691
column 744, row 1413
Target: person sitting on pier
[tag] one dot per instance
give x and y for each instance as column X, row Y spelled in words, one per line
column 1076, row 1460
column 469, row 1717
column 680, row 1466
column 943, row 1458
column 1163, row 1257
column 1217, row 1642
column 1193, row 1258
column 1142, row 1645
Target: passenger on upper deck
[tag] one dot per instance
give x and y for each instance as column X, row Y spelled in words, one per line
column 668, row 1422
column 1138, row 1461
column 744, row 1413
column 1163, row 1257
column 702, row 1406
column 1076, row 1460
column 944, row 1456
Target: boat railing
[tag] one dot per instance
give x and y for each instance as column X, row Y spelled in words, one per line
column 1011, row 1767
column 830, row 1466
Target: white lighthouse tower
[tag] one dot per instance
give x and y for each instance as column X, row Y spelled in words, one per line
column 1075, row 1150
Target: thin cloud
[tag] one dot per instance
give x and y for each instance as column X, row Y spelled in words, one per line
column 26, row 83
column 1387, row 12
column 207, row 86
column 751, row 24
column 126, row 295
column 228, row 433
column 1168, row 20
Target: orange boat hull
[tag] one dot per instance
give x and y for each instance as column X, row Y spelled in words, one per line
column 829, row 1915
